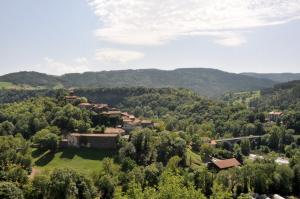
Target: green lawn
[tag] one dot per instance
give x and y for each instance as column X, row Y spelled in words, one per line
column 193, row 159
column 81, row 159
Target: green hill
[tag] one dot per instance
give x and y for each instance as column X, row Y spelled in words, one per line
column 277, row 77
column 33, row 79
column 206, row 82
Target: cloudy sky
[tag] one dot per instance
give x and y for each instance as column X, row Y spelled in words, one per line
column 63, row 36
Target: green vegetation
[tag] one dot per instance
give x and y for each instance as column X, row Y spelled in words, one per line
column 83, row 160
column 206, row 82
column 281, row 97
column 175, row 160
column 6, row 85
column 241, row 97
column 193, row 160
column 32, row 79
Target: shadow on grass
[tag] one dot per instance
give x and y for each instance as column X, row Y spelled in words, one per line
column 87, row 153
column 37, row 153
column 45, row 159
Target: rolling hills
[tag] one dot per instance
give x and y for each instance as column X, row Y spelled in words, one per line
column 277, row 77
column 204, row 81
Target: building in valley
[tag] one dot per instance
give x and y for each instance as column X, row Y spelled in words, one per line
column 274, row 116
column 147, row 124
column 224, row 164
column 71, row 98
column 118, row 131
column 100, row 108
column 114, row 113
column 86, row 106
column 100, row 141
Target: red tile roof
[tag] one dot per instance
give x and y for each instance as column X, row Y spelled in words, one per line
column 275, row 113
column 228, row 163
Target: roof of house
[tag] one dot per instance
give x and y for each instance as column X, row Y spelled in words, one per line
column 100, row 105
column 71, row 97
column 125, row 114
column 275, row 113
column 84, row 104
column 146, row 122
column 93, row 135
column 114, row 131
column 228, row 163
column 213, row 142
column 112, row 113
column 125, row 120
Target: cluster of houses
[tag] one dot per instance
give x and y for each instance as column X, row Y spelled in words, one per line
column 108, row 138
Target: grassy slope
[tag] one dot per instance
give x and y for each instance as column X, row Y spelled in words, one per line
column 193, row 160
column 241, row 97
column 11, row 86
column 83, row 160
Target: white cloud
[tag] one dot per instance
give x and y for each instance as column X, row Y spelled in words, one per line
column 58, row 68
column 155, row 22
column 230, row 39
column 115, row 55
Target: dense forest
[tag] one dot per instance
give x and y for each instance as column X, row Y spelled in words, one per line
column 276, row 77
column 206, row 82
column 170, row 160
column 282, row 96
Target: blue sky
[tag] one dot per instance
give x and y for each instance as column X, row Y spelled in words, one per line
column 59, row 37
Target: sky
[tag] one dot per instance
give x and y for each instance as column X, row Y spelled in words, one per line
column 70, row 36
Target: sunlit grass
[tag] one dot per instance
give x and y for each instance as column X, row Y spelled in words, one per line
column 84, row 160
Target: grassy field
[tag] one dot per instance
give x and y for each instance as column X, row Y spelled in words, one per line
column 242, row 97
column 9, row 85
column 81, row 159
column 193, row 159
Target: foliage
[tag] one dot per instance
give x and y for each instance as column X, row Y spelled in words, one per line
column 66, row 183
column 9, row 190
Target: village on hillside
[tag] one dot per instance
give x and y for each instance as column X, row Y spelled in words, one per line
column 106, row 137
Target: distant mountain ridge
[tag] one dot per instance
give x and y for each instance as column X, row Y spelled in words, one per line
column 205, row 81
column 277, row 77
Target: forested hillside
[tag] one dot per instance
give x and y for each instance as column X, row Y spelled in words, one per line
column 276, row 77
column 281, row 96
column 173, row 159
column 34, row 79
column 206, row 82
column 16, row 95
